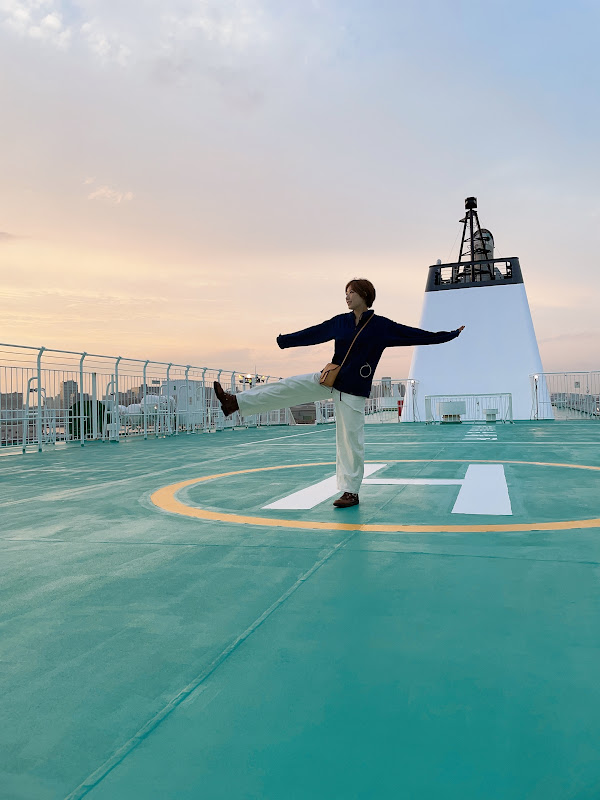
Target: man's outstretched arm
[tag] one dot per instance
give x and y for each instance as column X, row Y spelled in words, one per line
column 317, row 334
column 403, row 335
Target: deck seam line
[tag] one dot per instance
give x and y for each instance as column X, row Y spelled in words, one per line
column 309, row 549
column 316, row 546
column 472, row 555
column 131, row 744
column 291, row 436
column 304, row 549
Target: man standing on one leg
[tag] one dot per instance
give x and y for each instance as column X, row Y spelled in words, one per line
column 358, row 358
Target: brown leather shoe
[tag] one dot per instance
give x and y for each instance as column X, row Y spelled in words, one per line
column 346, row 500
column 229, row 403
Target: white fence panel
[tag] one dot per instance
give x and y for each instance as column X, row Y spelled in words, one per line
column 568, row 395
column 390, row 401
column 477, row 407
column 51, row 396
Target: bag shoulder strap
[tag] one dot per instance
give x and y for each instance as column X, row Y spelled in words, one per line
column 356, row 337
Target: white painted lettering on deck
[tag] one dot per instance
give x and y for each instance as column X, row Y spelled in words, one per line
column 483, row 490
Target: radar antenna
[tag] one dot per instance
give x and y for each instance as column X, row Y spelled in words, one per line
column 479, row 245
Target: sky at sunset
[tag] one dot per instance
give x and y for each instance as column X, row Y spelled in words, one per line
column 183, row 181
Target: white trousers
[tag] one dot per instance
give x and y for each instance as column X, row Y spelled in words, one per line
column 349, row 419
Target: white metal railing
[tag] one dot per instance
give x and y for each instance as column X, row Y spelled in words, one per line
column 477, row 407
column 391, row 400
column 49, row 396
column 566, row 395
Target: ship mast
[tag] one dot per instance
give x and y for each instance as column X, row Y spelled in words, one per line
column 479, row 247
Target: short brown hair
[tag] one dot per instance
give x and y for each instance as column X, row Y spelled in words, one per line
column 364, row 289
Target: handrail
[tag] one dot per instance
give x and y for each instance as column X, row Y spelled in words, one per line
column 81, row 426
column 123, row 358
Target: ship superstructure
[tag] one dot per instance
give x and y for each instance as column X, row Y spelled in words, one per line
column 497, row 353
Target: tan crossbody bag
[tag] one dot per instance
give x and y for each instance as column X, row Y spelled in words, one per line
column 330, row 372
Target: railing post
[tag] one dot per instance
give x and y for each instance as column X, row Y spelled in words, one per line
column 144, row 408
column 26, row 414
column 217, row 412
column 187, row 397
column 413, row 392
column 168, row 398
column 205, row 409
column 81, row 426
column 116, row 415
column 39, row 403
column 94, row 407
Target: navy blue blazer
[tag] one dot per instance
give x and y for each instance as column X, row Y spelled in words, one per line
column 356, row 376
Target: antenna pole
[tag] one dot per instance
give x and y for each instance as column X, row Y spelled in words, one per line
column 471, row 219
column 462, row 241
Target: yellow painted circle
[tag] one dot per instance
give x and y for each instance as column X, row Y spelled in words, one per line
column 166, row 499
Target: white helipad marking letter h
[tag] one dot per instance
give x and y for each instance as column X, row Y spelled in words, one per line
column 484, row 491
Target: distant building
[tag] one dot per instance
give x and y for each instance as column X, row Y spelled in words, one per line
column 68, row 394
column 11, row 405
column 12, row 400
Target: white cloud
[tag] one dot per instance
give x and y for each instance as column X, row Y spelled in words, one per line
column 36, row 19
column 229, row 23
column 111, row 195
column 43, row 20
column 107, row 47
column 107, row 193
column 118, row 34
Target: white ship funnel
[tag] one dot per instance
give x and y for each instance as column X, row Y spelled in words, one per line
column 497, row 353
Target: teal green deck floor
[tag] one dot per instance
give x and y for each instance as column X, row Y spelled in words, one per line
column 145, row 654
